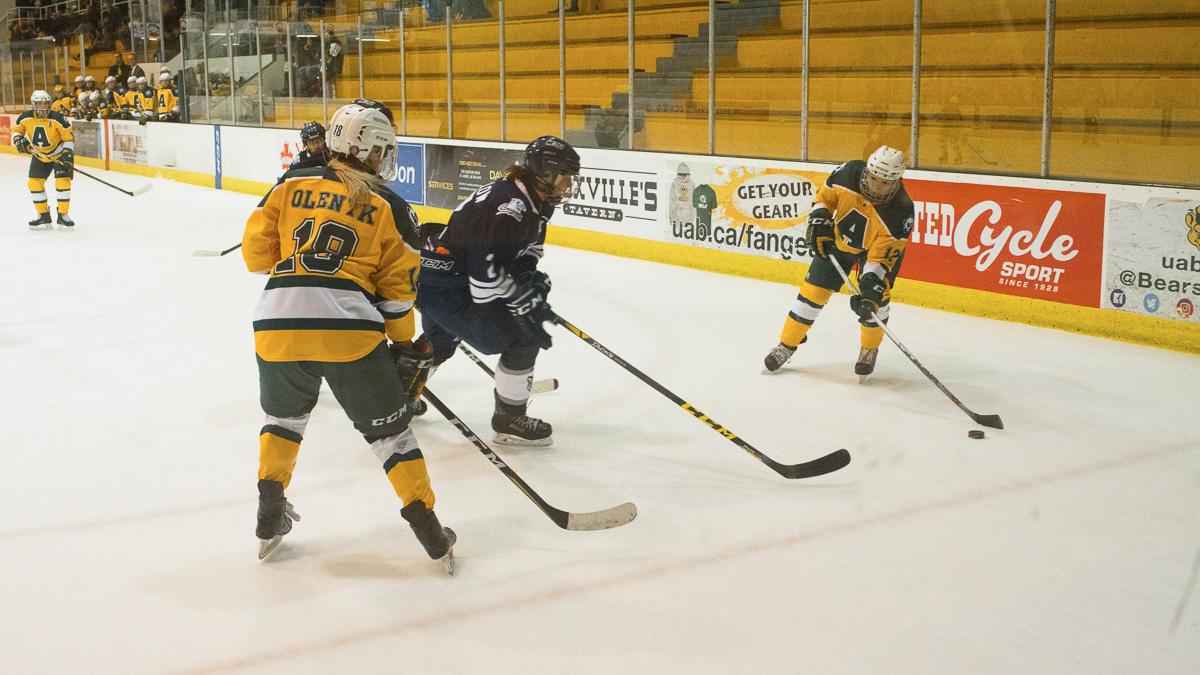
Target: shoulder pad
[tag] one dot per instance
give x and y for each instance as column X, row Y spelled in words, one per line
column 60, row 118
column 898, row 214
column 405, row 217
column 847, row 175
column 24, row 116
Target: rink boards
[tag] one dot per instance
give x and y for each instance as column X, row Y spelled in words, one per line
column 1110, row 260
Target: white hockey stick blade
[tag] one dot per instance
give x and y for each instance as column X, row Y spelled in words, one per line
column 602, row 520
column 206, row 254
column 143, row 190
column 543, row 386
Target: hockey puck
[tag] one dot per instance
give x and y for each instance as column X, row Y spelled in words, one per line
column 975, row 433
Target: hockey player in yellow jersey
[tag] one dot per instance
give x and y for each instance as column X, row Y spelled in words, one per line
column 168, row 103
column 63, row 102
column 47, row 135
column 342, row 252
column 861, row 216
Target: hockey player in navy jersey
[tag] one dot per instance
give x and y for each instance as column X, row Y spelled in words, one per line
column 480, row 281
column 312, row 136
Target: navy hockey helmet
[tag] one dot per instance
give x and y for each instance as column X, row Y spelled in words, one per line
column 547, row 159
column 311, row 132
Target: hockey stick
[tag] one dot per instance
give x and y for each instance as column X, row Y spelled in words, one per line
column 597, row 520
column 992, row 421
column 140, row 191
column 822, row 465
column 538, row 387
column 213, row 254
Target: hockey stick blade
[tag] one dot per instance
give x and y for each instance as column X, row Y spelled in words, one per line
column 821, row 465
column 213, row 254
column 538, row 386
column 579, row 522
column 143, row 190
column 992, row 421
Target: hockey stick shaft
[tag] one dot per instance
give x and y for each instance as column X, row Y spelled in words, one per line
column 816, row 467
column 98, row 180
column 600, row 520
column 214, row 254
column 538, row 386
column 992, row 421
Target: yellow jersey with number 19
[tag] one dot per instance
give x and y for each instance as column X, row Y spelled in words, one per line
column 342, row 276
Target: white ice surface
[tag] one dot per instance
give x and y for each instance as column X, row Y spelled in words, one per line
column 128, row 449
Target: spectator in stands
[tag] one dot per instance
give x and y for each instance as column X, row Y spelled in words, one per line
column 120, row 69
column 310, row 76
column 573, row 8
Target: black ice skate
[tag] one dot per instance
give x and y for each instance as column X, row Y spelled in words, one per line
column 437, row 540
column 866, row 363
column 520, row 430
column 779, row 355
column 65, row 222
column 275, row 516
column 42, row 222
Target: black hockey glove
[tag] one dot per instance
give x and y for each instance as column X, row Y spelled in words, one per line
column 871, row 289
column 820, row 232
column 67, row 158
column 529, row 307
column 524, row 270
column 22, row 145
column 413, row 361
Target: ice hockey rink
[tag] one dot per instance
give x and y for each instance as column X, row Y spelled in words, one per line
column 1068, row 542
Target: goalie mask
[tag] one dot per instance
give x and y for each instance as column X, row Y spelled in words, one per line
column 42, row 98
column 881, row 179
column 358, row 132
column 548, row 159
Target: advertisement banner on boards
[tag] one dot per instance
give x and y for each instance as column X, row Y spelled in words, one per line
column 616, row 193
column 6, row 124
column 128, row 142
column 453, row 172
column 746, row 209
column 1153, row 262
column 409, row 182
column 1032, row 243
column 87, row 139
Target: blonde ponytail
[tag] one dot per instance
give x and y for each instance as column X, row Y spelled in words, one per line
column 360, row 181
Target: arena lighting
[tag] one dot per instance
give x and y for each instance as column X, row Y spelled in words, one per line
column 373, row 39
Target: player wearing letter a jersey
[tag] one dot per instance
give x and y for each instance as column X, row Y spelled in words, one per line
column 861, row 216
column 341, row 251
column 47, row 135
column 480, row 282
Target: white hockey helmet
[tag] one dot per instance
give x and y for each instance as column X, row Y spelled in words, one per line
column 40, row 96
column 355, row 131
column 95, row 97
column 141, row 80
column 89, row 78
column 78, row 79
column 131, row 81
column 881, row 179
column 110, row 81
column 83, row 97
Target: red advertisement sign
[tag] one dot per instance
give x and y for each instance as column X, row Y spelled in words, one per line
column 5, row 130
column 1031, row 243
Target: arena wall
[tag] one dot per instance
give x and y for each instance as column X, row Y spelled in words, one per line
column 1115, row 261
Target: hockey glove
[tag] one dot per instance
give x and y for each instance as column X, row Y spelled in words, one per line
column 528, row 306
column 524, row 270
column 820, row 232
column 866, row 303
column 413, row 361
column 67, row 158
column 22, row 145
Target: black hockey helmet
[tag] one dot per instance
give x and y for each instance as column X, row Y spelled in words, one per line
column 547, row 159
column 311, row 131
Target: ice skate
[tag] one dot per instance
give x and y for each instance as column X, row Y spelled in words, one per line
column 65, row 222
column 437, row 540
column 42, row 222
column 275, row 516
column 866, row 363
column 779, row 355
column 520, row 430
